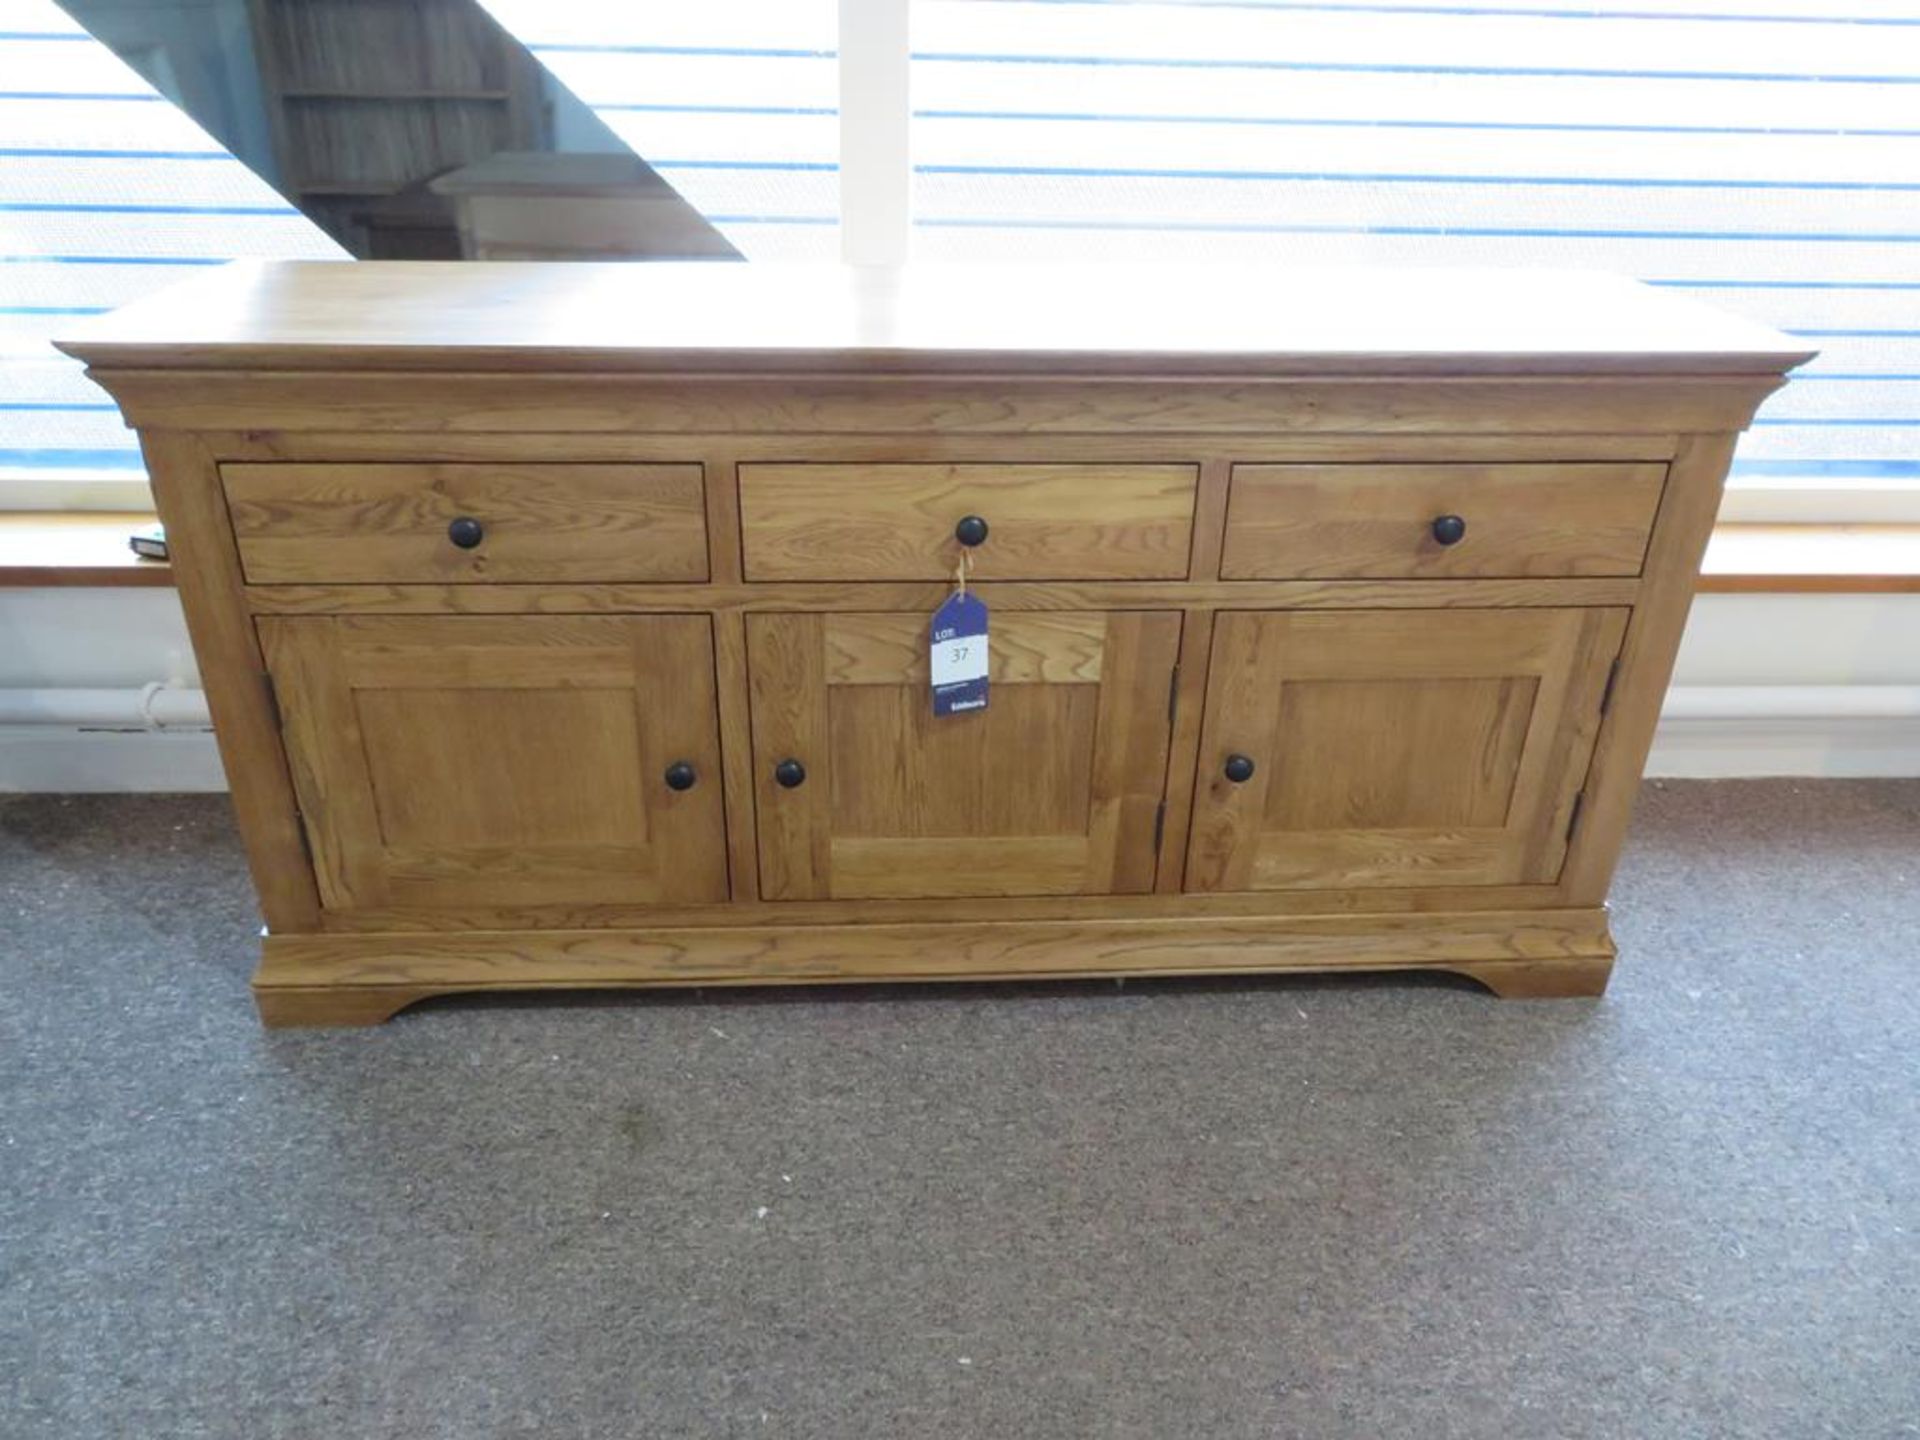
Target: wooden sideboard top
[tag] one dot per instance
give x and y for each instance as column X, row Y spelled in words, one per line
column 1058, row 320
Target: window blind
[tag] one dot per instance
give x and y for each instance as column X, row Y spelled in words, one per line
column 107, row 191
column 734, row 102
column 1763, row 155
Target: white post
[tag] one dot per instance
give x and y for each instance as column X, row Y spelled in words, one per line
column 876, row 171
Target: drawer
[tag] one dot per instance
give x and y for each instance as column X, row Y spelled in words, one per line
column 896, row 522
column 351, row 524
column 1359, row 521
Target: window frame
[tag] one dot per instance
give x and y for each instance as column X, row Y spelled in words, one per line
column 876, row 216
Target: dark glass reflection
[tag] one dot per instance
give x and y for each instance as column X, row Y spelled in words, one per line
column 410, row 131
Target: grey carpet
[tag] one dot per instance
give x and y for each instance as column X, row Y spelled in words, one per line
column 1318, row 1208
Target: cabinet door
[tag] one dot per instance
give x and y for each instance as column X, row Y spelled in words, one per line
column 1053, row 789
column 1396, row 748
column 477, row 760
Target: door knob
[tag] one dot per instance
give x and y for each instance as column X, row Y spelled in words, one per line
column 466, row 532
column 1238, row 769
column 1449, row 529
column 971, row 531
column 789, row 773
column 680, row 776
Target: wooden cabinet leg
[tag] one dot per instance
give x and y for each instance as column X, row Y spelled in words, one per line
column 290, row 1007
column 1541, row 979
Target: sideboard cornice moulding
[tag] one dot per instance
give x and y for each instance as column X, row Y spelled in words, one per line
column 567, row 625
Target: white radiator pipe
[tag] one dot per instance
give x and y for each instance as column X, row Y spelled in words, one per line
column 1792, row 702
column 155, row 706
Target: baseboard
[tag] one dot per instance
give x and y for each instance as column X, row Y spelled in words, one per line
column 361, row 979
column 1723, row 731
column 1722, row 749
column 53, row 759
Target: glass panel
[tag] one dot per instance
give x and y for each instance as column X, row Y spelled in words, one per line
column 107, row 191
column 141, row 140
column 733, row 102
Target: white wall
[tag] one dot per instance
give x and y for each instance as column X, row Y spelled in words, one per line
column 98, row 639
column 1795, row 685
column 1821, row 685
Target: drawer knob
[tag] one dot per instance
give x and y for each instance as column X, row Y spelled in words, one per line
column 789, row 773
column 466, row 532
column 1238, row 769
column 1449, row 529
column 680, row 776
column 971, row 531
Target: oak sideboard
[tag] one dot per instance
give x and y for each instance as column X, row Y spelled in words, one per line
column 568, row 625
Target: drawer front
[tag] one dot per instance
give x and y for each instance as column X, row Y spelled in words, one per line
column 354, row 524
column 897, row 522
column 1391, row 521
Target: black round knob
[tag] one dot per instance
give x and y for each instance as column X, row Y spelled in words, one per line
column 680, row 776
column 971, row 531
column 1449, row 529
column 789, row 773
column 466, row 532
column 1238, row 769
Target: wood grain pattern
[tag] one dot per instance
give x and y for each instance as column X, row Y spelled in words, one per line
column 725, row 549
column 890, row 868
column 69, row 548
column 1589, row 650
column 722, row 495
column 857, row 521
column 688, row 404
column 1133, row 730
column 318, row 971
column 1052, row 789
column 1033, row 648
column 1289, row 522
column 1425, row 900
column 354, row 524
column 1210, row 511
column 1009, row 320
column 923, row 447
column 900, row 771
column 1692, row 499
column 1582, row 978
column 1189, row 702
column 1000, row 595
column 787, row 678
column 291, row 1007
column 186, row 490
column 736, row 754
column 456, row 761
column 335, row 1005
column 1396, row 750
column 325, row 758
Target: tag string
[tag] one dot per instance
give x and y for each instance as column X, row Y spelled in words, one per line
column 961, row 571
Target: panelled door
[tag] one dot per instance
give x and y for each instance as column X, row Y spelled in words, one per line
column 452, row 761
column 1396, row 748
column 1053, row 789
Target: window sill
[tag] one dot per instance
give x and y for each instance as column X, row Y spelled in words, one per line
column 86, row 548
column 50, row 548
column 1811, row 560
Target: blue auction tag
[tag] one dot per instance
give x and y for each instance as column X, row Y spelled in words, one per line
column 959, row 655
